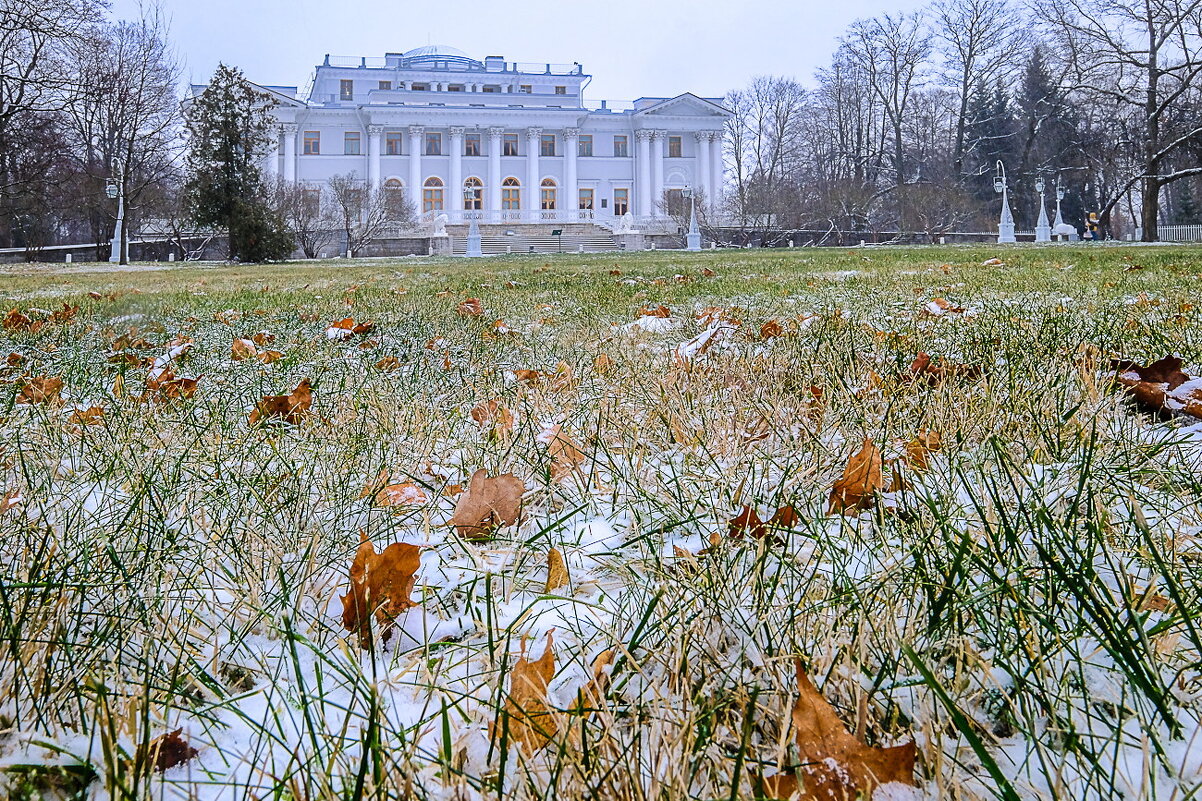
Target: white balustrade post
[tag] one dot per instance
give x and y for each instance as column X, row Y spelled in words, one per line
column 533, row 173
column 456, row 176
column 571, row 200
column 415, row 166
column 495, row 137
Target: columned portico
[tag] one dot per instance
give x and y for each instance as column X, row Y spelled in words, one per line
column 530, row 201
column 569, row 203
column 495, row 136
column 290, row 130
column 271, row 163
column 657, row 171
column 415, row 165
column 455, row 184
column 716, row 170
column 644, row 163
column 375, row 135
column 704, row 173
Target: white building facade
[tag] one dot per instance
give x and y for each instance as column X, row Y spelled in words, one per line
column 508, row 142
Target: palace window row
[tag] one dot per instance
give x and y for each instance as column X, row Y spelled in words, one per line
column 434, row 195
column 352, row 145
column 346, row 88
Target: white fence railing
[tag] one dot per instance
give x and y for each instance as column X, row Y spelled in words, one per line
column 1180, row 233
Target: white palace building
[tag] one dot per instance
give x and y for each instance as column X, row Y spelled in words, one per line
column 519, row 137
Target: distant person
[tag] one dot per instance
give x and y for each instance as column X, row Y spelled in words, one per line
column 1093, row 228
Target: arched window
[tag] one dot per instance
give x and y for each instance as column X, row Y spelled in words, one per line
column 432, row 195
column 394, row 198
column 548, row 195
column 475, row 200
column 511, row 194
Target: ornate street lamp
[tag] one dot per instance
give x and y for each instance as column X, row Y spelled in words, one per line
column 473, row 233
column 1059, row 197
column 693, row 240
column 1005, row 231
column 1043, row 231
column 114, row 188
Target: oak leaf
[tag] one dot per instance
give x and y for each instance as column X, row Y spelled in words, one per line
column 526, row 717
column 41, row 390
column 380, row 587
column 862, row 479
column 291, row 408
column 488, row 504
column 166, row 751
column 835, row 765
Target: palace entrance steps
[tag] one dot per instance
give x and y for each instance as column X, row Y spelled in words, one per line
column 535, row 238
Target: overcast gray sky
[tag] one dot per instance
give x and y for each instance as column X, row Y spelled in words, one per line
column 632, row 47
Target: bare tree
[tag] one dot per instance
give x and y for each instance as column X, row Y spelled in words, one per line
column 309, row 214
column 366, row 213
column 1143, row 59
column 892, row 52
column 764, row 142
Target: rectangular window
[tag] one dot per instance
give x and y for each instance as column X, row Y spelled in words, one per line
column 621, row 202
column 471, row 145
column 584, row 147
column 421, row 87
column 351, row 145
column 526, row 89
column 674, row 147
column 392, row 143
column 510, row 145
column 511, row 197
column 586, row 199
column 561, row 90
column 621, row 147
column 385, row 86
column 547, row 145
column 455, row 87
column 312, row 143
column 492, row 90
column 433, row 144
column 346, row 90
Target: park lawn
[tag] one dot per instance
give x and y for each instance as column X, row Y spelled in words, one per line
column 1022, row 602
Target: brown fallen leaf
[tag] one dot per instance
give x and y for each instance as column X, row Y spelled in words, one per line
column 494, row 419
column 167, row 386
column 291, row 408
column 918, row 452
column 42, row 390
column 92, row 416
column 166, row 751
column 388, row 364
column 243, row 349
column 10, row 500
column 862, row 479
column 557, row 571
column 488, row 504
column 404, row 494
column 771, row 329
column 603, row 364
column 748, row 522
column 935, row 371
column 566, row 456
column 592, row 695
column 835, row 765
column 342, row 330
column 526, row 717
column 655, row 311
column 14, row 360
column 472, row 307
column 1159, row 388
column 380, row 587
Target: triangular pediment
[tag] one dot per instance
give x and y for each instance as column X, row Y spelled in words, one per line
column 686, row 105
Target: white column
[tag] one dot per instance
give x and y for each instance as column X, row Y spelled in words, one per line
column 455, row 201
column 657, row 171
column 271, row 162
column 701, row 165
column 643, row 207
column 375, row 138
column 495, row 136
column 570, row 194
column 290, row 130
column 533, row 173
column 717, row 183
column 415, row 166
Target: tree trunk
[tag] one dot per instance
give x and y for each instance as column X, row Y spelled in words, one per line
column 1150, row 209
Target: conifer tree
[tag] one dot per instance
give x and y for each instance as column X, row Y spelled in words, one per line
column 229, row 129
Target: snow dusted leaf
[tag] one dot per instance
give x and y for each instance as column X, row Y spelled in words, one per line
column 557, row 571
column 1165, row 371
column 92, row 416
column 834, row 764
column 771, row 329
column 862, row 479
column 41, row 390
column 14, row 360
column 748, row 522
column 385, row 494
column 166, row 751
column 291, row 408
column 688, row 352
column 388, row 364
column 163, row 385
column 16, row 321
column 380, row 587
column 526, row 717
column 347, row 328
column 531, row 378
column 472, row 307
column 494, row 419
column 1161, row 388
column 603, row 364
column 941, row 306
column 562, row 379
column 243, row 349
column 488, row 504
column 935, row 371
column 993, row 263
column 566, row 456
column 655, row 311
column 10, row 500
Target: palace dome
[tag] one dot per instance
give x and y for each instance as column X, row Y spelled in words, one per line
column 437, row 54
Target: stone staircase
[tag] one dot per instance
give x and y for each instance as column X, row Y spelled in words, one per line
column 527, row 238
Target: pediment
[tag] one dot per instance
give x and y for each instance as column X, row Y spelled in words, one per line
column 686, row 105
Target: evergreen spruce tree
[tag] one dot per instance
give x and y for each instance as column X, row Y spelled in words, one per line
column 229, row 128
column 989, row 138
